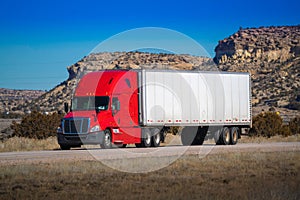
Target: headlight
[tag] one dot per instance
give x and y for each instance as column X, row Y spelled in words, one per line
column 95, row 129
column 59, row 130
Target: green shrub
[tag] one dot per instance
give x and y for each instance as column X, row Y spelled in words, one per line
column 37, row 125
column 295, row 125
column 268, row 124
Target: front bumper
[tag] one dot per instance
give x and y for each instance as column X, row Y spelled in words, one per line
column 80, row 139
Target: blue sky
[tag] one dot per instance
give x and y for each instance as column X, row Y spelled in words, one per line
column 39, row 39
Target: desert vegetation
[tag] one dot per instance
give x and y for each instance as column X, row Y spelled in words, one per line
column 255, row 175
column 37, row 131
column 28, row 144
column 268, row 124
column 37, row 125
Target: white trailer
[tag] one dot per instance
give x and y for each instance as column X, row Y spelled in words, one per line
column 201, row 102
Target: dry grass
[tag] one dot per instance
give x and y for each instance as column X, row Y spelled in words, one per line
column 277, row 138
column 26, row 144
column 231, row 176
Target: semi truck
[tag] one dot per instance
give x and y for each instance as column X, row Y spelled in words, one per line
column 120, row 107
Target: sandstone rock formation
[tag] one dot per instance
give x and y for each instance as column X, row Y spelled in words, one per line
column 272, row 56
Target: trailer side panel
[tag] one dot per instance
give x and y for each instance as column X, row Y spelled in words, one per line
column 185, row 98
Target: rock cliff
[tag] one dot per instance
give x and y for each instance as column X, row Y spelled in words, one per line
column 272, row 56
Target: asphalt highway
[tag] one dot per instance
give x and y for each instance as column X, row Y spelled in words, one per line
column 132, row 152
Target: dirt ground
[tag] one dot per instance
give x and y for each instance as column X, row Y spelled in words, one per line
column 247, row 175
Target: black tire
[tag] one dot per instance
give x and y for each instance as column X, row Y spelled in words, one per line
column 138, row 145
column 234, row 135
column 225, row 136
column 147, row 138
column 64, row 147
column 188, row 135
column 106, row 140
column 121, row 145
column 156, row 138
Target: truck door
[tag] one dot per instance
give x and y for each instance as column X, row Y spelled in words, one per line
column 128, row 132
column 124, row 109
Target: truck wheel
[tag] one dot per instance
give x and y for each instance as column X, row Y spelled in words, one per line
column 156, row 138
column 147, row 139
column 138, row 145
column 188, row 135
column 225, row 136
column 64, row 147
column 234, row 135
column 106, row 140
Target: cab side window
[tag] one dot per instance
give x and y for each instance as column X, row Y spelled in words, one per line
column 115, row 104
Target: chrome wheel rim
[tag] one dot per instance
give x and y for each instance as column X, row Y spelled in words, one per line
column 107, row 139
column 157, row 138
column 227, row 135
column 148, row 138
column 235, row 135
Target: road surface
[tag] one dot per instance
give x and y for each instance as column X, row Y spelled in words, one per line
column 124, row 153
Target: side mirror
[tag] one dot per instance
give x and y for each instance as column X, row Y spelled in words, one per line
column 66, row 106
column 115, row 105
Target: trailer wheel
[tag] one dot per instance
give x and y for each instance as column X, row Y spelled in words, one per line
column 156, row 138
column 146, row 142
column 188, row 135
column 107, row 140
column 64, row 147
column 225, row 136
column 234, row 135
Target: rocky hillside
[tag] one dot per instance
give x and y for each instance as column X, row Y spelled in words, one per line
column 272, row 55
column 12, row 100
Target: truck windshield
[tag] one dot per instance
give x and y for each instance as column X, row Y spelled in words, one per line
column 90, row 103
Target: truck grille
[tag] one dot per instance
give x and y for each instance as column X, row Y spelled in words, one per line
column 76, row 125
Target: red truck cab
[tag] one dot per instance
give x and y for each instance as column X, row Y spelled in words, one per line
column 104, row 110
